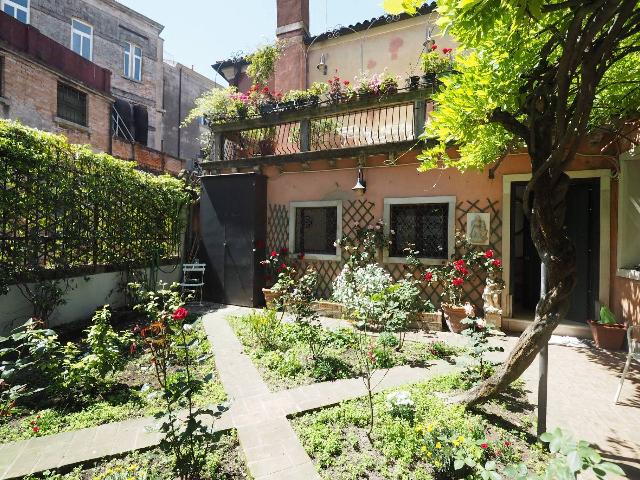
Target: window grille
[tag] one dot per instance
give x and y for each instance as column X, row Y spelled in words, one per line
column 316, row 230
column 422, row 226
column 72, row 104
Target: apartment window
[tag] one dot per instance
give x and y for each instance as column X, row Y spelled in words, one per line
column 72, row 104
column 133, row 62
column 82, row 38
column 425, row 224
column 18, row 9
column 314, row 228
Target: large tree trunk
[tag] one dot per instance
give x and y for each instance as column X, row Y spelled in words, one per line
column 557, row 252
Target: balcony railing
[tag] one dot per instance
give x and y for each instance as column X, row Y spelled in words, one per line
column 367, row 125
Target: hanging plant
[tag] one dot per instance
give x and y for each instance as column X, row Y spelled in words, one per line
column 262, row 62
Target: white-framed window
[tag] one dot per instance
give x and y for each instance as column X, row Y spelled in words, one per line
column 427, row 224
column 314, row 228
column 133, row 62
column 82, row 38
column 18, row 9
column 629, row 216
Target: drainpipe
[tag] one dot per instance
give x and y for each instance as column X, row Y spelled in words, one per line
column 179, row 111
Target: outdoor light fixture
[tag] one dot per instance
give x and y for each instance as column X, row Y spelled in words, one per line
column 322, row 66
column 361, row 185
column 429, row 41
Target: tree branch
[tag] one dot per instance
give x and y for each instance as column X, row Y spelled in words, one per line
column 509, row 122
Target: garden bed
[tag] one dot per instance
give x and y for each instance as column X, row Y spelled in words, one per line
column 287, row 361
column 420, row 445
column 134, row 393
column 226, row 462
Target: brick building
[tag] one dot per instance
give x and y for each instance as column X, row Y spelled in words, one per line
column 45, row 85
column 150, row 97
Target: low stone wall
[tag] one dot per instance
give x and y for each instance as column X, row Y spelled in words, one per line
column 85, row 296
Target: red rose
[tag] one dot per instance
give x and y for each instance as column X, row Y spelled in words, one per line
column 457, row 282
column 497, row 263
column 180, row 314
column 434, row 47
column 274, row 253
column 484, row 446
column 283, row 266
column 428, row 276
column 488, row 253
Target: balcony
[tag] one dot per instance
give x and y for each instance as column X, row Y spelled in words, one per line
column 366, row 126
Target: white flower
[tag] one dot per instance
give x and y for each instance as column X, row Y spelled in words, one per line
column 187, row 327
column 400, row 399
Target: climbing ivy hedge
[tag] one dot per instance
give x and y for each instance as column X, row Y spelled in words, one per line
column 65, row 210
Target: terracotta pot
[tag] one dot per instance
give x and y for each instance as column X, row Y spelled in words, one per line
column 270, row 296
column 454, row 314
column 610, row 337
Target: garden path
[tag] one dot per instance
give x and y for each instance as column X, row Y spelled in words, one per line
column 270, row 445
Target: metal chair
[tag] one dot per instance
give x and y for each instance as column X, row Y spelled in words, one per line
column 193, row 278
column 633, row 338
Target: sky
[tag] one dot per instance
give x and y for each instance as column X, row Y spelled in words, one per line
column 199, row 32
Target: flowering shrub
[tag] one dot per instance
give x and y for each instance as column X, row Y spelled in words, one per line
column 363, row 244
column 354, row 288
column 377, row 84
column 435, row 62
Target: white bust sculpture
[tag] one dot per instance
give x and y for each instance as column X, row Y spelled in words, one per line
column 491, row 296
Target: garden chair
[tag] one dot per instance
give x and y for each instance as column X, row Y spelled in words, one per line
column 633, row 338
column 193, row 278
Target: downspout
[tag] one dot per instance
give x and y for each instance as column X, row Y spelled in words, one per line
column 179, row 112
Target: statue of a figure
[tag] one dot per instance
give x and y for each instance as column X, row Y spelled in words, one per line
column 479, row 233
column 491, row 295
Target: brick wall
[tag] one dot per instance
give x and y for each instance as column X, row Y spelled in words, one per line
column 30, row 93
column 147, row 158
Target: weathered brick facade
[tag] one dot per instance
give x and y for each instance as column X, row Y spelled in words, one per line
column 29, row 94
column 147, row 158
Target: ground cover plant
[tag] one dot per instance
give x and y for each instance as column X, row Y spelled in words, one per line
column 103, row 376
column 418, row 436
column 282, row 352
column 226, row 462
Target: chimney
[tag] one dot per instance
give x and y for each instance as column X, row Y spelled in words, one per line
column 293, row 26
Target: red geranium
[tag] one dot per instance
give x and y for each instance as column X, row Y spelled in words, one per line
column 180, row 314
column 457, row 282
column 488, row 253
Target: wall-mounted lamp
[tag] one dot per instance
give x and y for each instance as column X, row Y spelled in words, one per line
column 322, row 66
column 361, row 185
column 429, row 42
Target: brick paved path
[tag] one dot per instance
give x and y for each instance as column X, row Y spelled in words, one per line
column 270, row 445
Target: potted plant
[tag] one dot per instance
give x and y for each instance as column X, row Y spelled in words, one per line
column 338, row 90
column 413, row 80
column 607, row 332
column 262, row 62
column 388, row 84
column 316, row 90
column 278, row 269
column 434, row 64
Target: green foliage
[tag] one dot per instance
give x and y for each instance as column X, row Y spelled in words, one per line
column 105, row 356
column 478, row 333
column 265, row 327
column 188, row 440
column 92, row 210
column 607, row 317
column 262, row 62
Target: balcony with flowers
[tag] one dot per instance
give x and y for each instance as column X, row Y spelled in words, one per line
column 370, row 114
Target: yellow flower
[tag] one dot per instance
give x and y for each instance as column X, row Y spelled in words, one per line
column 461, row 439
column 455, row 443
column 429, row 454
column 430, row 428
column 438, row 445
column 423, row 449
column 419, row 428
column 133, row 467
column 437, row 464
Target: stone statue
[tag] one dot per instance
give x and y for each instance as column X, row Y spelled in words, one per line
column 479, row 234
column 491, row 295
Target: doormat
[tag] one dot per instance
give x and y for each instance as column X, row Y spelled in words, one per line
column 569, row 341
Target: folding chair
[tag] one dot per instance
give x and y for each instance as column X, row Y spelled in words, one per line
column 633, row 338
column 193, row 278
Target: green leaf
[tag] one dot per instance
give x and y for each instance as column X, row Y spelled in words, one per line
column 574, row 461
column 458, row 464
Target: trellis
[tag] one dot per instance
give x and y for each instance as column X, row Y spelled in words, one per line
column 65, row 210
column 361, row 212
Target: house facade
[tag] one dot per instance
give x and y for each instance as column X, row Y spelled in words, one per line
column 321, row 153
column 151, row 97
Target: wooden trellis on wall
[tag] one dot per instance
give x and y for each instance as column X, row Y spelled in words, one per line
column 360, row 212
